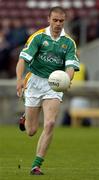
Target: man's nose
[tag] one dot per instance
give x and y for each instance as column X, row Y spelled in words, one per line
column 58, row 23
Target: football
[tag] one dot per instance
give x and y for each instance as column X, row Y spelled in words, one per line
column 59, row 81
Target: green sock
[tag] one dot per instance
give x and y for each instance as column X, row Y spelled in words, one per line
column 37, row 162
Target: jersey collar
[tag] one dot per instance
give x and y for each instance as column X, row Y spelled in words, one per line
column 47, row 31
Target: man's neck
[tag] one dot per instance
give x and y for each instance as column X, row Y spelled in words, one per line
column 55, row 35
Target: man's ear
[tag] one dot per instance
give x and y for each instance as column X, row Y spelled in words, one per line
column 48, row 19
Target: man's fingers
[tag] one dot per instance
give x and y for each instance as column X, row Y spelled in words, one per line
column 20, row 92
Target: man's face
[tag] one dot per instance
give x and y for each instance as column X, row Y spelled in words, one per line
column 56, row 21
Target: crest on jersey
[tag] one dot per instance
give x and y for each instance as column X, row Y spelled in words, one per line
column 45, row 43
column 64, row 46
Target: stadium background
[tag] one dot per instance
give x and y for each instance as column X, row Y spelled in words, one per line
column 19, row 19
column 74, row 152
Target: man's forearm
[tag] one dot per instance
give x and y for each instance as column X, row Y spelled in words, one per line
column 20, row 69
column 70, row 71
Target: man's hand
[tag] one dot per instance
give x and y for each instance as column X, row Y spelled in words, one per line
column 20, row 87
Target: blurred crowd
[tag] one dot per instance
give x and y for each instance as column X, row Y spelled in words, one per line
column 14, row 33
column 84, row 28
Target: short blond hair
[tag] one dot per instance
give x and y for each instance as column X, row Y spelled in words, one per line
column 57, row 9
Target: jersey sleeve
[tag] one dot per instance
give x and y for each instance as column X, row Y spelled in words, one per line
column 71, row 59
column 30, row 49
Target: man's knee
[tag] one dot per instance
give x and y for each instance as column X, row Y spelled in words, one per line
column 49, row 125
column 31, row 131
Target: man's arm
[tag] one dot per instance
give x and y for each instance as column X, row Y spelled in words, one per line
column 70, row 71
column 19, row 73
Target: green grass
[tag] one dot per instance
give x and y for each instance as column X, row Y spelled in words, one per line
column 73, row 154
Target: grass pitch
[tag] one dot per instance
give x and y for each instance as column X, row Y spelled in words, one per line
column 73, row 154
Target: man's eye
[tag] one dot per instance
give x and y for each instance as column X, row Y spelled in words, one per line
column 55, row 20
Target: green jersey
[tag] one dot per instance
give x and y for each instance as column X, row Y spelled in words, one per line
column 43, row 54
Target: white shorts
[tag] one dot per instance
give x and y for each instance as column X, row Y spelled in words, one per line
column 38, row 89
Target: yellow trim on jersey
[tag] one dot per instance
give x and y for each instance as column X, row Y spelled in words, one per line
column 32, row 37
column 71, row 40
column 28, row 75
column 66, row 35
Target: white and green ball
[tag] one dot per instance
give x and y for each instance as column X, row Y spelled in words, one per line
column 59, row 81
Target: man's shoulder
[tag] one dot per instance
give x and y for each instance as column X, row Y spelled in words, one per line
column 70, row 39
column 40, row 31
column 36, row 34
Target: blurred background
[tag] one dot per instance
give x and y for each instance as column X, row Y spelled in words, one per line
column 18, row 20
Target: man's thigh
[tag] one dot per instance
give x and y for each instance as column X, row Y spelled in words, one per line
column 51, row 109
column 32, row 116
